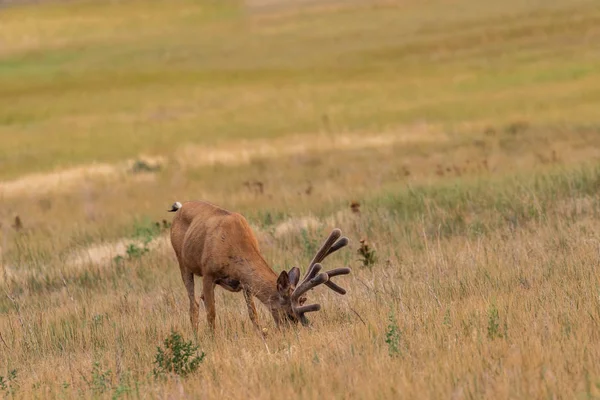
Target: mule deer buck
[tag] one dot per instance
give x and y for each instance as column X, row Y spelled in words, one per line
column 219, row 246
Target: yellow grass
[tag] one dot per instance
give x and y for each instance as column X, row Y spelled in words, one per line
column 540, row 277
column 466, row 130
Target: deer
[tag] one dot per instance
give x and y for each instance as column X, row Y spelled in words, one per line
column 220, row 246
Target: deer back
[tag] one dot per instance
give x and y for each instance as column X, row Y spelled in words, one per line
column 209, row 240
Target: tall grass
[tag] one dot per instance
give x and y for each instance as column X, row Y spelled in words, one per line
column 478, row 200
column 479, row 308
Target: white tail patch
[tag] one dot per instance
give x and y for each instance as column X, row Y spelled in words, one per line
column 176, row 206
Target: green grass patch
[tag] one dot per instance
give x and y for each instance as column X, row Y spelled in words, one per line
column 478, row 207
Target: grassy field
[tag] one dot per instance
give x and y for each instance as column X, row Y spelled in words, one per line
column 202, row 73
column 467, row 131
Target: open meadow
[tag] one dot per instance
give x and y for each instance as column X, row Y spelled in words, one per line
column 456, row 144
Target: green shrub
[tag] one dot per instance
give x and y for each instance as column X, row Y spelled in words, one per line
column 393, row 336
column 8, row 383
column 178, row 357
column 367, row 254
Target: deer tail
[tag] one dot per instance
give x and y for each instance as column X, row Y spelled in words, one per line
column 176, row 206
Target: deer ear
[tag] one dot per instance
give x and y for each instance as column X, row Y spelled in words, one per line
column 294, row 275
column 283, row 282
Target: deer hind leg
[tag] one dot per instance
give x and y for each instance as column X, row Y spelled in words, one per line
column 188, row 281
column 251, row 309
column 208, row 288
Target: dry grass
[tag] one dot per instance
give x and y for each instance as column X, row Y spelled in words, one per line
column 465, row 133
column 443, row 281
column 229, row 154
column 450, row 255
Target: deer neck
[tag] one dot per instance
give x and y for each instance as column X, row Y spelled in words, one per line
column 262, row 281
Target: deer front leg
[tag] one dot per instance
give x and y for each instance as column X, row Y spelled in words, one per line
column 252, row 309
column 188, row 281
column 208, row 288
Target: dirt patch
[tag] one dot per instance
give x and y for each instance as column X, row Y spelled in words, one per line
column 71, row 178
column 105, row 253
column 244, row 152
column 232, row 153
column 56, row 181
column 296, row 225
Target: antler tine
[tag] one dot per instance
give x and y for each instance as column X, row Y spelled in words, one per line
column 331, row 244
column 343, row 242
column 310, row 308
column 313, row 278
column 300, row 311
column 339, row 271
column 310, row 281
column 335, row 272
column 324, row 251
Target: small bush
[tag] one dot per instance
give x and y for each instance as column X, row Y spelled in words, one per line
column 392, row 337
column 178, row 357
column 101, row 381
column 8, row 383
column 135, row 251
column 146, row 230
column 141, row 166
column 367, row 254
column 447, row 320
column 143, row 233
column 493, row 329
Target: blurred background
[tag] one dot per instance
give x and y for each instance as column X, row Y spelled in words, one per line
column 385, row 91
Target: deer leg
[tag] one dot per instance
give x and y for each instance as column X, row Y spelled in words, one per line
column 208, row 288
column 188, row 281
column 251, row 309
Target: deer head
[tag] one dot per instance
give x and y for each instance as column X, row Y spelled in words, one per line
column 292, row 291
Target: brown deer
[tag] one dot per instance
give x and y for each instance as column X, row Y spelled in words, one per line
column 219, row 246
